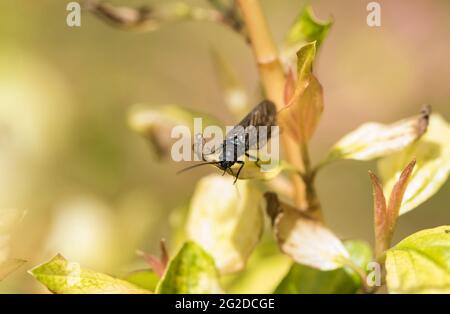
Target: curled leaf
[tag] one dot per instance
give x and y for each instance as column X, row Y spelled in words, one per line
column 306, row 28
column 374, row 140
column 420, row 263
column 379, row 202
column 432, row 154
column 226, row 220
column 305, row 103
column 396, row 197
column 380, row 219
column 63, row 277
column 386, row 214
column 303, row 117
column 289, row 86
column 192, row 270
column 306, row 240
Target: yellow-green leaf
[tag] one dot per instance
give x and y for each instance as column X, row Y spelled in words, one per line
column 360, row 254
column 420, row 263
column 432, row 154
column 192, row 270
column 306, row 240
column 373, row 140
column 63, row 277
column 226, row 220
column 145, row 279
column 263, row 272
column 304, row 279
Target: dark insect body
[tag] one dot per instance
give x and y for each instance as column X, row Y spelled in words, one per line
column 240, row 139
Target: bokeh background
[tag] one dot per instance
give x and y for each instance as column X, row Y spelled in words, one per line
column 91, row 187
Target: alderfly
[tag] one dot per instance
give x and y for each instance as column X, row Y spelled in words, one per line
column 243, row 137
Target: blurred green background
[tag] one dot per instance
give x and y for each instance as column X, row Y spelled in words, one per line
column 90, row 186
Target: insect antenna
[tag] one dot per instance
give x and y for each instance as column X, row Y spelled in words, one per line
column 195, row 166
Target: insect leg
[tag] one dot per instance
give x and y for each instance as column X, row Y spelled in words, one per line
column 257, row 160
column 239, row 171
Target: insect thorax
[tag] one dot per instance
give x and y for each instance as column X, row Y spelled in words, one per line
column 232, row 150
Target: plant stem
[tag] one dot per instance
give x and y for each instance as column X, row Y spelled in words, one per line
column 273, row 80
column 266, row 54
column 361, row 274
column 313, row 202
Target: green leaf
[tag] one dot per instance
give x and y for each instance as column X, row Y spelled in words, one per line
column 420, row 263
column 360, row 254
column 192, row 270
column 305, row 29
column 9, row 266
column 264, row 270
column 304, row 279
column 226, row 220
column 63, row 277
column 373, row 140
column 155, row 123
column 432, row 154
column 305, row 60
column 145, row 279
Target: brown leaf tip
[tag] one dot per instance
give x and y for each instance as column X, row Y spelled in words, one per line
column 374, row 178
column 408, row 169
column 273, row 207
column 424, row 119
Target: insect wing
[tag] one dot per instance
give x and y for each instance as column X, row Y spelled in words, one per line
column 245, row 135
